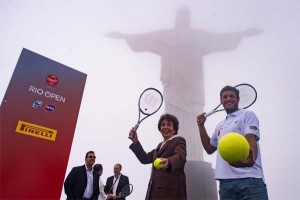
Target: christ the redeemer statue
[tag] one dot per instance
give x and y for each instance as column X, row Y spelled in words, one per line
column 181, row 50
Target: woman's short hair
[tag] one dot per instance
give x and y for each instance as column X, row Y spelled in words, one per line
column 98, row 167
column 170, row 118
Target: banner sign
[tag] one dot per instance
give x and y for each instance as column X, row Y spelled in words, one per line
column 39, row 113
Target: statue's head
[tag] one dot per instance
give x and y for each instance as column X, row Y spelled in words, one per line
column 182, row 17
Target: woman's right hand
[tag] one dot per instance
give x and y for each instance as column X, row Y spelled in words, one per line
column 133, row 135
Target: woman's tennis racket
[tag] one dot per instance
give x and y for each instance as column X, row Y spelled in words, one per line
column 126, row 191
column 248, row 96
column 150, row 102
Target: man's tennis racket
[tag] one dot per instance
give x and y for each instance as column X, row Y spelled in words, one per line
column 248, row 96
column 126, row 191
column 150, row 102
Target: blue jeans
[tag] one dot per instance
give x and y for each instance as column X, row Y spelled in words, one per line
column 243, row 189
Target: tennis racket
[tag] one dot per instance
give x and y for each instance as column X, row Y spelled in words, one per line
column 126, row 191
column 150, row 102
column 248, row 96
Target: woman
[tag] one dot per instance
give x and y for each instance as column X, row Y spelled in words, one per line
column 98, row 168
column 167, row 182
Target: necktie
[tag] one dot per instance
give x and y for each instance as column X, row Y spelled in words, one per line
column 111, row 188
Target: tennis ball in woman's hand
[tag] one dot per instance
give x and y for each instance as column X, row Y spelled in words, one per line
column 156, row 163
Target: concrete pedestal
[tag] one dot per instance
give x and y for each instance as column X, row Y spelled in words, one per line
column 201, row 184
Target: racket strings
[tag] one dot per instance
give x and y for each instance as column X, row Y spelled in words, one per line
column 248, row 96
column 126, row 190
column 150, row 102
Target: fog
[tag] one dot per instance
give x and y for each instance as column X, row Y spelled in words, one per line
column 73, row 33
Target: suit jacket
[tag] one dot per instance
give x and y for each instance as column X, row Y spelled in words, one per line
column 76, row 182
column 124, row 180
column 165, row 183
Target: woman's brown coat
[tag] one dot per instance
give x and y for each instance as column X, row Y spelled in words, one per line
column 167, row 184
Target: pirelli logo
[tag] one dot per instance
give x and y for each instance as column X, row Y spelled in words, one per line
column 36, row 130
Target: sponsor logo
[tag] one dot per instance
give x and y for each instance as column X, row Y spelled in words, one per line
column 151, row 100
column 37, row 103
column 219, row 132
column 50, row 108
column 52, row 80
column 47, row 94
column 253, row 128
column 36, row 131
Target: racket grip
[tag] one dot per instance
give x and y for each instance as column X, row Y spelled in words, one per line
column 210, row 113
column 134, row 128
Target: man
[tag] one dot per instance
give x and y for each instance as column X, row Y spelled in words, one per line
column 114, row 184
column 241, row 179
column 83, row 182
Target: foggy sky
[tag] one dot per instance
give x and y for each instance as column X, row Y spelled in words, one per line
column 73, row 33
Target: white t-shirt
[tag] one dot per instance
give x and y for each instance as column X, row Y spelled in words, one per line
column 89, row 186
column 243, row 122
column 102, row 195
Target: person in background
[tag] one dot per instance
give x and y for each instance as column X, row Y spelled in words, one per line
column 98, row 168
column 241, row 179
column 168, row 181
column 115, row 183
column 83, row 182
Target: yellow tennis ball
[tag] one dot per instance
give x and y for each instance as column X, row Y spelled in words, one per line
column 234, row 147
column 156, row 163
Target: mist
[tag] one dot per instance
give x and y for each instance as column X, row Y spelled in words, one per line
column 74, row 33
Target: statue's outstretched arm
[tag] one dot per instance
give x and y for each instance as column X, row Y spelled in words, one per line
column 251, row 32
column 116, row 35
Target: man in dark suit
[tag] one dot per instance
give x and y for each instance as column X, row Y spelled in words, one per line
column 114, row 184
column 83, row 182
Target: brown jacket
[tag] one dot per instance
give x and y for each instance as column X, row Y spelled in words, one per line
column 168, row 184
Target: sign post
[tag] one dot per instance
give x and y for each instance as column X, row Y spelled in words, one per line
column 38, row 117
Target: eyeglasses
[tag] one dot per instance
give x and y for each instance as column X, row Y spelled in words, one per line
column 92, row 156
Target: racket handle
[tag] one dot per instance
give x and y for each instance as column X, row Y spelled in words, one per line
column 210, row 113
column 134, row 128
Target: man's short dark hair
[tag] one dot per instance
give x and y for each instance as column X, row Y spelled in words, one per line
column 119, row 165
column 170, row 118
column 86, row 155
column 230, row 88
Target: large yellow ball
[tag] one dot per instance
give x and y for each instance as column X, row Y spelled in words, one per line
column 156, row 163
column 233, row 147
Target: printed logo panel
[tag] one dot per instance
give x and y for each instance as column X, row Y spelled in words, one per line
column 47, row 94
column 52, row 80
column 37, row 103
column 50, row 108
column 36, row 131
